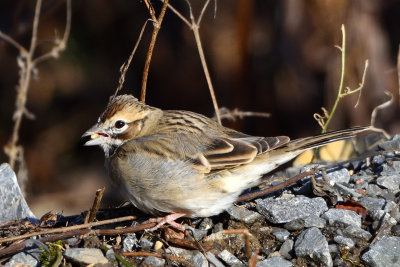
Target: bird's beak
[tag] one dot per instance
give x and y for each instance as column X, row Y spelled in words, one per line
column 96, row 136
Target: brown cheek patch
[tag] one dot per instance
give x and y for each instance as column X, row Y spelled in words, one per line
column 126, row 135
column 132, row 131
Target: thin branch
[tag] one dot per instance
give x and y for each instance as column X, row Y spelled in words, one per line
column 253, row 260
column 325, row 120
column 125, row 66
column 156, row 29
column 375, row 112
column 190, row 13
column 27, row 67
column 203, row 10
column 27, row 64
column 398, row 69
column 151, row 10
column 343, row 52
column 195, row 26
column 179, row 15
column 225, row 113
column 68, row 228
column 60, row 45
column 111, row 232
column 35, row 28
column 359, row 88
column 11, row 41
column 276, row 187
column 91, row 215
column 206, row 72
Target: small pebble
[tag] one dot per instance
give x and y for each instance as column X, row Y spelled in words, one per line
column 280, row 234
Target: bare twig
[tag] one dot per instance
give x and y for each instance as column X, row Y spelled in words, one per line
column 156, row 29
column 61, row 45
column 27, row 64
column 276, row 187
column 124, row 68
column 253, row 260
column 66, row 229
column 195, row 26
column 112, row 232
column 11, row 41
column 225, row 113
column 25, row 77
column 95, row 207
column 398, row 69
column 375, row 112
column 325, row 120
column 179, row 15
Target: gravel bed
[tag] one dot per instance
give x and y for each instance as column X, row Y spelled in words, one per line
column 346, row 216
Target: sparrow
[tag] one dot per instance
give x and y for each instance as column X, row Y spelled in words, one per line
column 185, row 164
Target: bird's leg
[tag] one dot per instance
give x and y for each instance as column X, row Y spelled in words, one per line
column 170, row 219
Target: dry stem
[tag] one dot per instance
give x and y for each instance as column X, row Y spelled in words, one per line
column 375, row 112
column 324, row 120
column 95, row 206
column 195, row 26
column 68, row 228
column 132, row 229
column 398, row 70
column 156, row 29
column 27, row 64
column 228, row 114
column 125, row 66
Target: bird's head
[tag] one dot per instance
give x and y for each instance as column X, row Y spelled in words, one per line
column 124, row 119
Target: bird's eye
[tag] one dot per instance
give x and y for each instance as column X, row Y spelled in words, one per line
column 119, row 124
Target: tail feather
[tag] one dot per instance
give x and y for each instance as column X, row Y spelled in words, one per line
column 323, row 139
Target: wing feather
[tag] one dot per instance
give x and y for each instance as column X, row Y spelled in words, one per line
column 243, row 150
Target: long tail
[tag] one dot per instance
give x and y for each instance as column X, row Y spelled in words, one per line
column 323, row 139
column 249, row 175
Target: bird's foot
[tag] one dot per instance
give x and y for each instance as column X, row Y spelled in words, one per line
column 169, row 219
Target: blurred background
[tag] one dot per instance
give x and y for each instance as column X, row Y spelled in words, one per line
column 264, row 56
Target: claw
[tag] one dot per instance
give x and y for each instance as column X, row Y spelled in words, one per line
column 169, row 219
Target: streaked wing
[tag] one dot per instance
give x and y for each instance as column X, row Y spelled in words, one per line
column 229, row 152
column 207, row 145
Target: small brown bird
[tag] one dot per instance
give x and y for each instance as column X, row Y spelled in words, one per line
column 185, row 164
